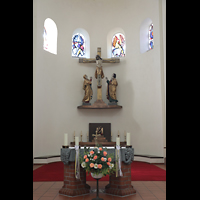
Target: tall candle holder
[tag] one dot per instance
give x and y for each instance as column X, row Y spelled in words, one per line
column 125, row 136
column 81, row 136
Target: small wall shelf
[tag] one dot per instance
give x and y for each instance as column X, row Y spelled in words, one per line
column 99, row 104
column 107, row 107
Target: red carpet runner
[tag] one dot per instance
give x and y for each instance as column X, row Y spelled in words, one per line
column 140, row 171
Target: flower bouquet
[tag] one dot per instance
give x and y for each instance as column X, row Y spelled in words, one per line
column 98, row 162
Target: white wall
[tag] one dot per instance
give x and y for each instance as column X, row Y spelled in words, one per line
column 58, row 78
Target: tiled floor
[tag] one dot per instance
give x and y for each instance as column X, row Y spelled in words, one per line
column 145, row 190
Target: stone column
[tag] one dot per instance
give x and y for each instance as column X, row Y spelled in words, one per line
column 72, row 186
column 121, row 186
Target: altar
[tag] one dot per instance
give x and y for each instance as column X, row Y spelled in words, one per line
column 119, row 186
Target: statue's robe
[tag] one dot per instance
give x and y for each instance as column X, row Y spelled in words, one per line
column 111, row 90
column 88, row 90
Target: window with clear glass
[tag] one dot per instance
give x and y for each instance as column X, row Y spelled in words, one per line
column 50, row 36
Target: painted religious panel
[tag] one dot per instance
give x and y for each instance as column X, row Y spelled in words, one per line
column 102, row 129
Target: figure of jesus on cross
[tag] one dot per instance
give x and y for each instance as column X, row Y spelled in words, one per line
column 99, row 75
column 99, row 71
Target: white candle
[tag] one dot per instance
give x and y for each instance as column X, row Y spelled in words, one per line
column 128, row 139
column 66, row 139
column 118, row 141
column 76, row 141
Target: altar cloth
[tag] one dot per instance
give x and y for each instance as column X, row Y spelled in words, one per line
column 68, row 154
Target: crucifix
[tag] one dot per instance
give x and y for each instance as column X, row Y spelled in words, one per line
column 99, row 72
column 95, row 135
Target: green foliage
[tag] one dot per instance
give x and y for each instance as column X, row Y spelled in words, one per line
column 98, row 154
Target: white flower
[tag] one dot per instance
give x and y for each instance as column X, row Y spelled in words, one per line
column 95, row 165
column 105, row 159
column 88, row 155
column 111, row 166
column 83, row 164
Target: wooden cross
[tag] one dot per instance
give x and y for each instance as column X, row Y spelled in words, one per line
column 104, row 60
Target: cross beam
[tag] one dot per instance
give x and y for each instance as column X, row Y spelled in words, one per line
column 104, row 60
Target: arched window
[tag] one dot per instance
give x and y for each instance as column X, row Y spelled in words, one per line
column 118, row 45
column 50, row 36
column 151, row 42
column 78, row 45
column 146, row 35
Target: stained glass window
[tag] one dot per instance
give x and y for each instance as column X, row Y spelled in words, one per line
column 118, row 45
column 78, row 45
column 151, row 42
